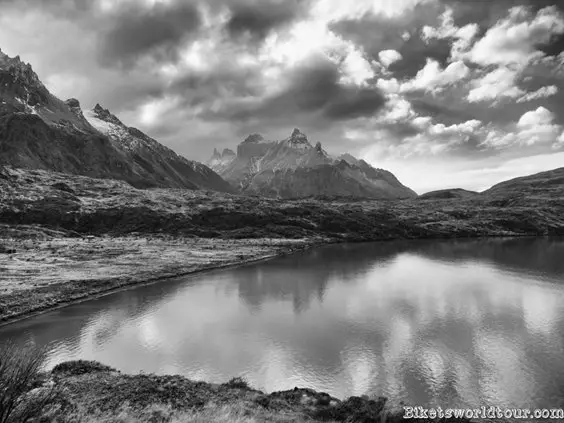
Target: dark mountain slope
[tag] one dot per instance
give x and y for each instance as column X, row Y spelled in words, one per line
column 39, row 131
column 449, row 193
column 543, row 184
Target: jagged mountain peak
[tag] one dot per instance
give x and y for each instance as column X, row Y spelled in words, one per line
column 349, row 158
column 227, row 152
column 106, row 115
column 297, row 133
column 216, row 154
column 6, row 60
column 74, row 106
column 298, row 140
column 20, row 85
column 254, row 138
column 22, row 71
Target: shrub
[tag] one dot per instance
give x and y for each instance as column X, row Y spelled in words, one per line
column 80, row 367
column 238, row 382
column 22, row 397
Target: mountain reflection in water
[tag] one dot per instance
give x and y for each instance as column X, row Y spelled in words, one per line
column 449, row 323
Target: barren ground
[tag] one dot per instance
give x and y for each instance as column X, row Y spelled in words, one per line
column 44, row 272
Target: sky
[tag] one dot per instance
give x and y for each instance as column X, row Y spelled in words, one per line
column 443, row 93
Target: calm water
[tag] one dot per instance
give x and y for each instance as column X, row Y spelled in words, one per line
column 430, row 323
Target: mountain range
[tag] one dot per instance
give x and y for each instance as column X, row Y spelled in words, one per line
column 40, row 131
column 295, row 168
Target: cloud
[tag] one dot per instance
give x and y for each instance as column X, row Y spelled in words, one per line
column 434, row 138
column 433, row 78
column 398, row 75
column 495, row 85
column 136, row 32
column 377, row 32
column 314, row 87
column 542, row 92
column 260, row 18
column 462, row 37
column 387, row 57
column 540, row 116
column 515, row 40
column 534, row 127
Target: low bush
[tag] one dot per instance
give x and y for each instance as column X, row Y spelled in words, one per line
column 80, row 367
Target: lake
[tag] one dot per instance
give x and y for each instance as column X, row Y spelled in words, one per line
column 430, row 323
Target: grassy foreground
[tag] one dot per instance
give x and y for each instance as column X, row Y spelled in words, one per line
column 90, row 392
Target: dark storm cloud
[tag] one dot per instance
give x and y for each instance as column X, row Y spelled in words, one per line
column 554, row 47
column 441, row 111
column 313, row 89
column 259, row 18
column 401, row 130
column 157, row 31
column 199, row 88
column 375, row 33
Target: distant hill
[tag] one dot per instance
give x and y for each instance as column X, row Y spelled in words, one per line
column 544, row 183
column 39, row 131
column 447, row 194
column 294, row 168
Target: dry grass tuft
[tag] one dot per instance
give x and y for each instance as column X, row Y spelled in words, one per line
column 22, row 395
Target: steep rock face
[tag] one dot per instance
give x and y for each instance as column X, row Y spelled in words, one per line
column 167, row 168
column 240, row 169
column 253, row 146
column 37, row 130
column 220, row 161
column 294, row 168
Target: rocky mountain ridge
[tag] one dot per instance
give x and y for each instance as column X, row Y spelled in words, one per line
column 39, row 131
column 295, row 168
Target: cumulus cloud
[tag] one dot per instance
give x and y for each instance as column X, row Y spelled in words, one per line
column 495, row 85
column 387, row 57
column 433, row 78
column 542, row 92
column 436, row 138
column 377, row 32
column 540, row 116
column 462, row 37
column 560, row 139
column 534, row 127
column 515, row 40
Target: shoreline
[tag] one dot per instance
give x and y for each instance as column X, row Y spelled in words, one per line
column 115, row 285
column 111, row 286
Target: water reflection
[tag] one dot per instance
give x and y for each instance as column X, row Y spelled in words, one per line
column 445, row 323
